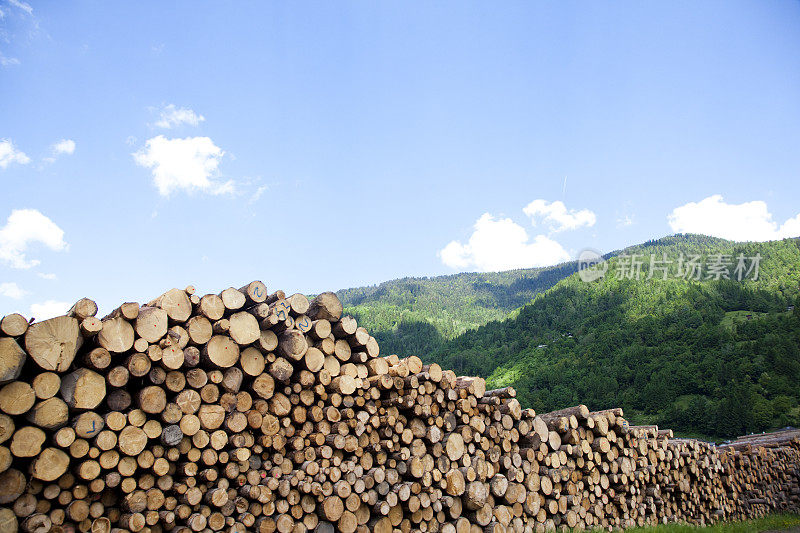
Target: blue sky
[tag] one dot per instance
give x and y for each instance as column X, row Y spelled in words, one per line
column 326, row 145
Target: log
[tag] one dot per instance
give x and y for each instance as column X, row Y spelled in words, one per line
column 27, row 442
column 49, row 465
column 14, row 325
column 254, row 292
column 292, row 344
column 50, row 414
column 98, row 359
column 325, row 306
column 314, row 359
column 345, row 327
column 475, row 495
column 212, row 307
column 83, row 389
column 244, row 328
column 176, row 304
column 298, row 303
column 232, row 299
column 199, row 329
column 221, row 351
column 132, row 440
column 16, row 398
column 53, row 343
column 152, row 323
column 12, row 485
column 12, row 359
column 128, row 311
column 83, row 309
column 116, row 336
column 152, row 399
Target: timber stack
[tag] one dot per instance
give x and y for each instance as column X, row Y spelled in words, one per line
column 255, row 411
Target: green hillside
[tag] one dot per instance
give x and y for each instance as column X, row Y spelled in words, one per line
column 413, row 316
column 679, row 352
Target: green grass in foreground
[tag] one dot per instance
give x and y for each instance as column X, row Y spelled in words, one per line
column 770, row 522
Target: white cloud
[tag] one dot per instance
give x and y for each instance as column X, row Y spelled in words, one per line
column 12, row 290
column 50, row 276
column 48, row 309
column 748, row 221
column 64, row 146
column 501, row 244
column 557, row 217
column 189, row 164
column 172, row 117
column 9, row 154
column 23, row 227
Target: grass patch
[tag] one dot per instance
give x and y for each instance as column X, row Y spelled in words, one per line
column 732, row 318
column 767, row 523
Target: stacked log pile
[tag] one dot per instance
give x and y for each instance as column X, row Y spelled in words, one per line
column 250, row 411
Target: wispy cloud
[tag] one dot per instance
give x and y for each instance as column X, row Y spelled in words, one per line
column 21, row 5
column 8, row 61
column 10, row 154
column 257, row 195
column 625, row 221
column 25, row 10
column 172, row 117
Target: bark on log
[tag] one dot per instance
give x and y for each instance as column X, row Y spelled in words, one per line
column 325, row 306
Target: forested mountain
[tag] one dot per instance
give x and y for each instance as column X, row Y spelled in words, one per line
column 714, row 356
column 413, row 316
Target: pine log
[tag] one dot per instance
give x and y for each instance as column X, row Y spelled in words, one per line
column 53, row 343
column 299, row 304
column 16, row 398
column 49, row 414
column 199, row 329
column 243, row 328
column 232, row 299
column 212, row 307
column 46, row 385
column 255, row 292
column 175, row 302
column 12, row 359
column 221, row 351
column 12, row 485
column 49, row 465
column 292, row 344
column 83, row 389
column 325, row 306
column 152, row 323
column 116, row 336
column 14, row 325
column 128, row 311
column 83, row 308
